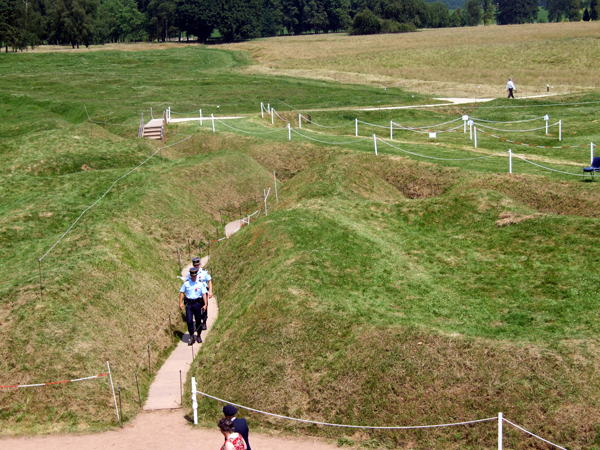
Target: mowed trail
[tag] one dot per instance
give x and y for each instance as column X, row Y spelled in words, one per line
column 163, row 425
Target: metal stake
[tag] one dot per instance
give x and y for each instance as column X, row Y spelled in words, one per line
column 189, row 249
column 170, row 328
column 41, row 289
column 120, row 406
column 276, row 196
column 138, row 388
column 178, row 258
column 149, row 365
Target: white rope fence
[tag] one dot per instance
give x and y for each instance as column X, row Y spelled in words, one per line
column 499, row 418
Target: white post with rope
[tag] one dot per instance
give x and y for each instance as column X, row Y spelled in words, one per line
column 262, row 110
column 194, row 401
column 275, row 181
column 500, row 419
column 471, row 129
column 299, row 120
column 269, row 108
column 547, row 118
column 265, row 196
column 509, row 160
column 289, row 132
column 200, row 111
column 356, row 127
column 465, row 119
column 113, row 391
column 375, row 142
column 560, row 130
column 475, row 134
column 591, row 153
column 272, row 122
column 212, row 117
column 391, row 130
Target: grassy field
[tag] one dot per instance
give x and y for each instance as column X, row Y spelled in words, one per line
column 386, row 291
column 458, row 62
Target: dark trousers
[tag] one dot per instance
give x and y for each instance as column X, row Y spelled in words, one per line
column 193, row 311
column 510, row 93
column 204, row 316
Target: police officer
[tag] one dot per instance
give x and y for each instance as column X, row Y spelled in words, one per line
column 205, row 277
column 193, row 292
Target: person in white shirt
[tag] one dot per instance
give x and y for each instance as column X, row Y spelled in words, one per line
column 510, row 87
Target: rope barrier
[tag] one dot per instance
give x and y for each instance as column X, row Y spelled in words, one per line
column 531, row 145
column 509, row 121
column 327, row 126
column 536, row 106
column 515, row 131
column 547, row 168
column 440, row 159
column 107, row 123
column 107, row 191
column 374, row 125
column 534, row 435
column 425, row 130
column 325, row 142
column 251, row 132
column 312, row 422
column 277, row 114
column 54, row 382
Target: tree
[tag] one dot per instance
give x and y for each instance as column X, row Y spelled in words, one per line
column 586, row 15
column 338, row 14
column 556, row 10
column 472, row 12
column 488, row 12
column 161, row 23
column 366, row 23
column 196, row 18
column 456, row 18
column 439, row 16
column 516, row 11
column 574, row 10
column 594, row 10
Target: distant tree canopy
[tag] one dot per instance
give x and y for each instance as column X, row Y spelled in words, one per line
column 516, row 11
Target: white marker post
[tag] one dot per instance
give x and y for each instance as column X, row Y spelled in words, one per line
column 113, row 392
column 509, row 160
column 560, row 130
column 591, row 153
column 546, row 118
column 299, row 120
column 500, row 419
column 200, row 111
column 465, row 119
column 213, row 122
column 272, row 110
column 356, row 127
column 391, row 130
column 471, row 129
column 375, row 142
column 194, row 401
column 289, row 132
column 265, row 196
column 262, row 110
column 275, row 180
column 475, row 128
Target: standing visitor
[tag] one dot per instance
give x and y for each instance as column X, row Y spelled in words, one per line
column 240, row 425
column 233, row 440
column 193, row 293
column 510, row 88
column 205, row 277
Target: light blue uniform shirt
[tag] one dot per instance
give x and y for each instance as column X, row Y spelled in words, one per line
column 193, row 290
column 203, row 276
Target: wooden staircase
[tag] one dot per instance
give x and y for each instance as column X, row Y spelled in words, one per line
column 154, row 129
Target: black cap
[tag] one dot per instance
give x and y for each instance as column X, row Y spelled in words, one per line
column 196, row 261
column 229, row 410
column 194, row 270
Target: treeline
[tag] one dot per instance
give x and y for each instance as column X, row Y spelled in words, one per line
column 27, row 23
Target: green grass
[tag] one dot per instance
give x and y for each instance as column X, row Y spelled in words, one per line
column 380, row 290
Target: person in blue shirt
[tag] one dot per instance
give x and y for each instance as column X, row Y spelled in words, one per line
column 205, row 277
column 193, row 293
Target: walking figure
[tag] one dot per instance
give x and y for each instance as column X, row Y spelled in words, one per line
column 510, row 88
column 193, row 293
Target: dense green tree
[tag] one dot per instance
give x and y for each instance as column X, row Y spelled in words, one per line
column 438, row 15
column 161, row 15
column 574, row 10
column 196, row 18
column 556, row 10
column 594, row 10
column 293, row 19
column 516, row 11
column 366, row 22
column 238, row 19
column 488, row 12
column 120, row 21
column 456, row 18
column 338, row 14
column 472, row 12
column 315, row 16
column 586, row 15
column 73, row 22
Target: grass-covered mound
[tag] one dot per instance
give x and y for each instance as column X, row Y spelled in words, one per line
column 357, row 302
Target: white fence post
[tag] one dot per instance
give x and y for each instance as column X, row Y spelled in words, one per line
column 299, row 120
column 560, row 130
column 591, row 153
column 471, row 129
column 391, row 129
column 272, row 110
column 194, row 402
column 356, row 127
column 375, row 141
column 475, row 128
column 289, row 132
column 275, row 180
column 509, row 160
column 113, row 391
column 547, row 118
column 465, row 119
column 262, row 110
column 200, row 111
column 265, row 195
column 500, row 419
column 269, row 108
column 212, row 117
